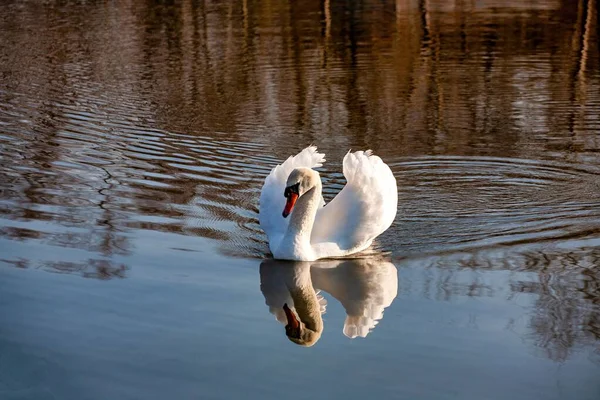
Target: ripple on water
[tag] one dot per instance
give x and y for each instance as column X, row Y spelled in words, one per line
column 132, row 178
column 195, row 185
column 453, row 203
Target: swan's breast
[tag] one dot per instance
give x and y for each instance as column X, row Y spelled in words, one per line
column 294, row 249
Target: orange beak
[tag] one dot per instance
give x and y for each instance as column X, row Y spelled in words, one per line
column 291, row 317
column 289, row 204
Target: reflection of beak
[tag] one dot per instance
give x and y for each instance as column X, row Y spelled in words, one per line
column 291, row 318
column 291, row 200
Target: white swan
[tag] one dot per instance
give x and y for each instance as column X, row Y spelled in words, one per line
column 363, row 209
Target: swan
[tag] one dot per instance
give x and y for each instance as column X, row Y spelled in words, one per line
column 360, row 212
column 292, row 290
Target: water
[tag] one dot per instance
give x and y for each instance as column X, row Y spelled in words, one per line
column 134, row 138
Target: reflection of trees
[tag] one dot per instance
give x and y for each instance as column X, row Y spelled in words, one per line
column 412, row 77
column 106, row 93
column 60, row 127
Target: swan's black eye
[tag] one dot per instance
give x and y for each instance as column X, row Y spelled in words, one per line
column 291, row 189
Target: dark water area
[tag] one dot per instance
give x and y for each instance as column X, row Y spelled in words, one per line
column 134, row 140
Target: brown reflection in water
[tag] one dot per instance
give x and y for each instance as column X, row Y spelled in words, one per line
column 96, row 101
column 429, row 77
column 50, row 91
column 404, row 78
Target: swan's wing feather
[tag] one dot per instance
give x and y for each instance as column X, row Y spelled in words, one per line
column 272, row 200
column 363, row 209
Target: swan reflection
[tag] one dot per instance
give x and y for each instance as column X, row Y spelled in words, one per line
column 364, row 287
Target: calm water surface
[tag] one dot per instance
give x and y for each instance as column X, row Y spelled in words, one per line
column 134, row 138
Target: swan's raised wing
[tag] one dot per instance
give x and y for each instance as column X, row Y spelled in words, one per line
column 272, row 199
column 361, row 211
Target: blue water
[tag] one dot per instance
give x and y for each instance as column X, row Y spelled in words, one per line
column 134, row 139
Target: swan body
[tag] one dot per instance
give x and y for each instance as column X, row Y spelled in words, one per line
column 307, row 229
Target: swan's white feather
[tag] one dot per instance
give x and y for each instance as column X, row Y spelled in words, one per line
column 272, row 200
column 363, row 209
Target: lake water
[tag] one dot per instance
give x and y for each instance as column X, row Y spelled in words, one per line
column 134, row 139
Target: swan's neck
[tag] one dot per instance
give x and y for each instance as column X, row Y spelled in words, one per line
column 303, row 217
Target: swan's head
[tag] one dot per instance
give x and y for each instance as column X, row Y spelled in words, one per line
column 298, row 332
column 300, row 181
